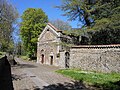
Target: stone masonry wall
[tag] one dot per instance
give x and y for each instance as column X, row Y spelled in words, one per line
column 100, row 58
column 48, row 50
column 62, row 60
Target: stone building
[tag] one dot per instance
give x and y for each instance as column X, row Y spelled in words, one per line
column 49, row 45
column 51, row 51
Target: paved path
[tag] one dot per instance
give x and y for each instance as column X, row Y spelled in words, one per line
column 30, row 75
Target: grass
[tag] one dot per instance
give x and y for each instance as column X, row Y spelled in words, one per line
column 24, row 58
column 106, row 81
column 28, row 59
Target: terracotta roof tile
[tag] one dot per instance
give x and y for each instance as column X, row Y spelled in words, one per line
column 54, row 27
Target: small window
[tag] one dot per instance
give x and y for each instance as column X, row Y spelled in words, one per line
column 42, row 50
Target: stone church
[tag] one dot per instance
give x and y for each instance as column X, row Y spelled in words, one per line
column 50, row 46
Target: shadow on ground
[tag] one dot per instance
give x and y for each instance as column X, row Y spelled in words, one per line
column 78, row 85
column 75, row 85
column 107, row 86
column 18, row 77
column 26, row 66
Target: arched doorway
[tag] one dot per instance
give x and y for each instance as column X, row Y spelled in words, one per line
column 51, row 60
column 67, row 58
column 42, row 58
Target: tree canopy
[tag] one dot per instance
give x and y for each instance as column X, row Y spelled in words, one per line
column 78, row 9
column 33, row 22
column 106, row 22
column 100, row 18
column 8, row 17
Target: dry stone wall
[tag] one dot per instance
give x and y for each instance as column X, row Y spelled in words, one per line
column 101, row 58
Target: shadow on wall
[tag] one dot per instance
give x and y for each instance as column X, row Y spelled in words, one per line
column 5, row 75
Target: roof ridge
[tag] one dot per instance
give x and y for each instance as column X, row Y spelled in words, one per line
column 54, row 27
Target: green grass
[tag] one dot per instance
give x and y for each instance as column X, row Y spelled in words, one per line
column 24, row 58
column 104, row 80
column 28, row 59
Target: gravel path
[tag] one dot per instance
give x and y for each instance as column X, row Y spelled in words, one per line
column 30, row 75
column 33, row 76
column 21, row 81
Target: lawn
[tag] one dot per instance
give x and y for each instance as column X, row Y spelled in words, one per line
column 104, row 81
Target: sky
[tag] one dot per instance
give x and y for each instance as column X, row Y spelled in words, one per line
column 46, row 5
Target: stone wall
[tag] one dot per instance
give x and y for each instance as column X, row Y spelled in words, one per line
column 62, row 60
column 5, row 75
column 48, row 50
column 100, row 58
column 48, row 47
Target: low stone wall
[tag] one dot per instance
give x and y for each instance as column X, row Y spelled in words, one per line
column 100, row 58
column 5, row 75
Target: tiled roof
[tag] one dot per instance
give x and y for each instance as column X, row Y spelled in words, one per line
column 54, row 27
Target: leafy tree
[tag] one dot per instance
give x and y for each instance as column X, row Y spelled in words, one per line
column 33, row 22
column 100, row 18
column 19, row 48
column 61, row 25
column 78, row 9
column 107, row 22
column 88, row 11
column 8, row 17
column 106, row 8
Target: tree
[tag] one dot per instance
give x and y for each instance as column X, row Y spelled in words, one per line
column 33, row 22
column 107, row 22
column 100, row 18
column 87, row 11
column 8, row 17
column 78, row 9
column 61, row 25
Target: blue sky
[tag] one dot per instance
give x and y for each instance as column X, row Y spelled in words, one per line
column 46, row 5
